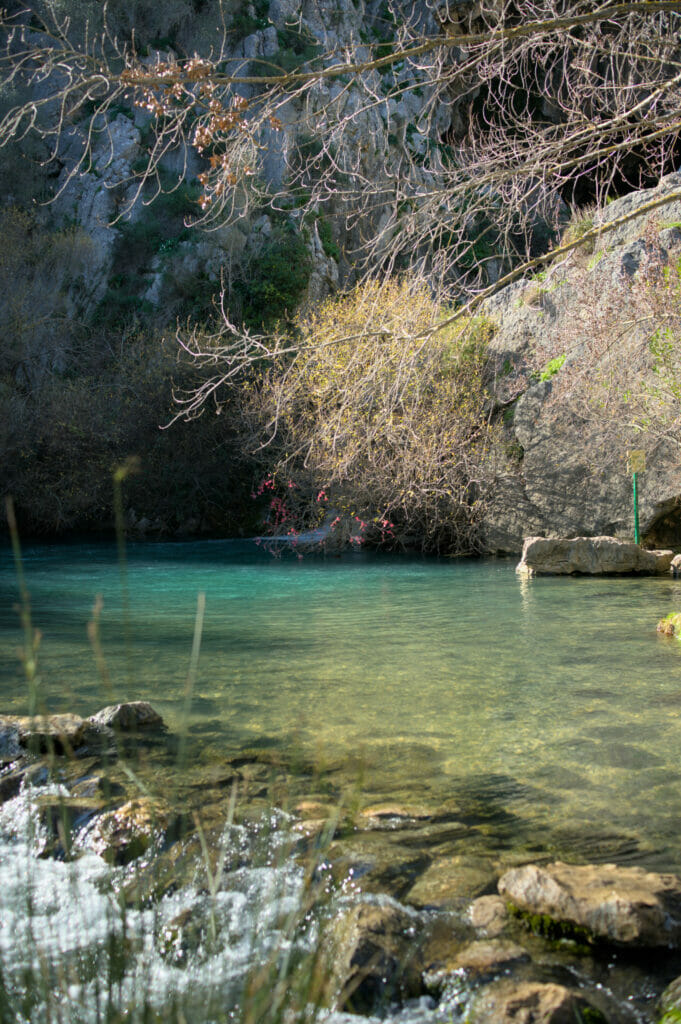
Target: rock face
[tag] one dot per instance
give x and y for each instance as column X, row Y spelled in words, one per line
column 594, row 556
column 567, row 349
column 624, row 906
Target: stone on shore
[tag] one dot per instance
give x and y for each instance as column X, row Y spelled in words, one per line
column 529, row 1002
column 128, row 717
column 623, row 906
column 593, row 556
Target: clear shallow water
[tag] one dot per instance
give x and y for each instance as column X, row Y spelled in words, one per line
column 551, row 699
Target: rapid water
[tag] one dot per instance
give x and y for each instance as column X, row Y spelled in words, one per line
column 553, row 698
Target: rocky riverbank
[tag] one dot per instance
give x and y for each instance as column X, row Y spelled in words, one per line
column 415, row 917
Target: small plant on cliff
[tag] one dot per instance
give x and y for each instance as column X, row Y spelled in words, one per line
column 581, row 223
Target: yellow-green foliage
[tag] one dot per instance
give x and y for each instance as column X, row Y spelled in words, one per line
column 385, row 401
column 581, row 222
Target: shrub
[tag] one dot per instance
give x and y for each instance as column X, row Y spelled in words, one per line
column 275, row 279
column 385, row 406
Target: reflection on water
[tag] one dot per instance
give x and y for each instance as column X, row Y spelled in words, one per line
column 550, row 699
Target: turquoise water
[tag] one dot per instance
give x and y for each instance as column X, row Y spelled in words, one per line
column 553, row 698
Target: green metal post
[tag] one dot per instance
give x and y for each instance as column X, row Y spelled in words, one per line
column 636, row 531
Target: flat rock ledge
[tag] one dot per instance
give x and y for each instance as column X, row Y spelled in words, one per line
column 592, row 556
column 527, row 1002
column 68, row 733
column 620, row 906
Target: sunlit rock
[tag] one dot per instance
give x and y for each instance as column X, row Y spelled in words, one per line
column 488, row 915
column 513, row 1002
column 624, row 906
column 133, row 715
column 124, row 834
column 594, row 556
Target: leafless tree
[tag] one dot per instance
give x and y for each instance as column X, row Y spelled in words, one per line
column 498, row 116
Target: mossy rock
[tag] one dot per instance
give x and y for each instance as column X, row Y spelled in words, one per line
column 670, row 625
column 555, row 931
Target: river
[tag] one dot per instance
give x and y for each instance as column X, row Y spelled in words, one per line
column 550, row 705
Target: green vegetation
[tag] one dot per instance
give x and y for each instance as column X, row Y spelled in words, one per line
column 274, row 280
column 552, row 367
column 671, row 1016
column 296, row 49
column 581, row 223
column 556, row 931
column 389, row 429
column 330, row 246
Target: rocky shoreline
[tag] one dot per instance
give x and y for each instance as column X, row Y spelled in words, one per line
column 494, row 942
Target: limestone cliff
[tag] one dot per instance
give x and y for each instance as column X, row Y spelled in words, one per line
column 586, row 357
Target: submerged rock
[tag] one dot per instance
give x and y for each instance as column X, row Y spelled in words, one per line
column 392, row 816
column 449, row 882
column 489, row 957
column 594, row 556
column 376, row 958
column 529, row 1002
column 624, row 906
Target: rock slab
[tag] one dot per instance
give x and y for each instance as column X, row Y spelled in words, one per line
column 527, row 1002
column 593, row 556
column 622, row 906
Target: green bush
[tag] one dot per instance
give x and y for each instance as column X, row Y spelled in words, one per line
column 275, row 280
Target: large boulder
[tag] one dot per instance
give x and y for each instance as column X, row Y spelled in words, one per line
column 622, row 906
column 594, row 556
